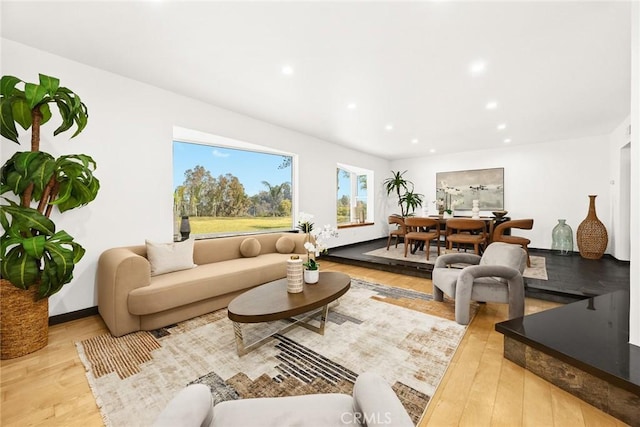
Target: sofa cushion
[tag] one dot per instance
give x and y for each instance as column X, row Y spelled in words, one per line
column 180, row 288
column 285, row 245
column 220, row 249
column 169, row 257
column 447, row 279
column 510, row 255
column 507, row 254
column 250, row 247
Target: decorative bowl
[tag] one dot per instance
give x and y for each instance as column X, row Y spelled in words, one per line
column 499, row 214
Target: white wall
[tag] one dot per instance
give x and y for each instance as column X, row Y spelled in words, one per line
column 130, row 137
column 546, row 182
column 620, row 179
column 634, row 320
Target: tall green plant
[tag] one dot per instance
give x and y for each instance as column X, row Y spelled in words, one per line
column 411, row 201
column 31, row 250
column 404, row 191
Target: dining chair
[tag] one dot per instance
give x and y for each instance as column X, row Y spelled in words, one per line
column 397, row 232
column 523, row 224
column 464, row 231
column 424, row 230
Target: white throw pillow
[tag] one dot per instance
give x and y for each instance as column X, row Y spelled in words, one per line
column 168, row 257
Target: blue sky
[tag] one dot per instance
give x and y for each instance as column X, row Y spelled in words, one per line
column 344, row 185
column 251, row 168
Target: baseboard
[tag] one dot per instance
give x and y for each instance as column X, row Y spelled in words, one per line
column 384, row 239
column 73, row 315
column 549, row 251
column 576, row 253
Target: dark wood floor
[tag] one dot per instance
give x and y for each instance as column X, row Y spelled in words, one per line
column 570, row 277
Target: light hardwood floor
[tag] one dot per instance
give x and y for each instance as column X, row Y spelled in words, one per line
column 480, row 387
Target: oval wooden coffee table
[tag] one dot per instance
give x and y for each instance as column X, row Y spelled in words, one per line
column 271, row 301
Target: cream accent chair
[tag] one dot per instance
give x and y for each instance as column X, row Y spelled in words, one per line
column 374, row 403
column 494, row 277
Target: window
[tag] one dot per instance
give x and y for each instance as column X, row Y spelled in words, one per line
column 226, row 190
column 353, row 195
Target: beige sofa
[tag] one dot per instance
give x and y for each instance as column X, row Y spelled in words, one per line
column 131, row 299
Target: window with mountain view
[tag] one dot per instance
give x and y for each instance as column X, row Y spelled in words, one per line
column 227, row 190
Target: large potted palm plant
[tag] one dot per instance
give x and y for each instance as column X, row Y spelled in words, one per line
column 37, row 260
column 408, row 200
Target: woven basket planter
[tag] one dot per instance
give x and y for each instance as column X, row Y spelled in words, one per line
column 592, row 235
column 24, row 321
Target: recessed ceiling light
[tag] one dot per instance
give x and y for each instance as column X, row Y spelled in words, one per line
column 433, row 150
column 508, row 140
column 287, row 70
column 491, row 105
column 414, row 141
column 352, row 106
column 389, row 127
column 477, row 67
column 502, row 126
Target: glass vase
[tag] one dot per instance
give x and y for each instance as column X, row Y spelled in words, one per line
column 562, row 238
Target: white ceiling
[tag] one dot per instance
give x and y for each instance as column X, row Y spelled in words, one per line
column 558, row 70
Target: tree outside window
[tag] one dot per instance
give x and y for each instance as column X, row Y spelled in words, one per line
column 227, row 190
column 353, row 197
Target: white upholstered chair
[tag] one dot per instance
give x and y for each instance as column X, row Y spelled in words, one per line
column 373, row 403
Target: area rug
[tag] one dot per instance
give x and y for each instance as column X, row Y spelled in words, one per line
column 538, row 269
column 401, row 334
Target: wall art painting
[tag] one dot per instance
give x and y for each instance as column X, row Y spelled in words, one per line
column 458, row 189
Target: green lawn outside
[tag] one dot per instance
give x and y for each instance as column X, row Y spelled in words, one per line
column 344, row 219
column 209, row 224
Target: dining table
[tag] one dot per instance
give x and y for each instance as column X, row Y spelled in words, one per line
column 489, row 221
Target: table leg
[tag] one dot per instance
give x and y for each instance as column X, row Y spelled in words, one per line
column 324, row 314
column 417, row 245
column 243, row 348
column 237, row 331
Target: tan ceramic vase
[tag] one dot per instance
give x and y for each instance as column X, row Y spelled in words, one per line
column 24, row 321
column 592, row 235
